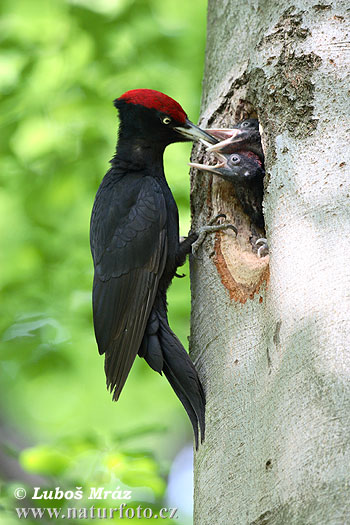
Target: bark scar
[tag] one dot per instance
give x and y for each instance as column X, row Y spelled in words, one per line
column 242, row 273
column 276, row 336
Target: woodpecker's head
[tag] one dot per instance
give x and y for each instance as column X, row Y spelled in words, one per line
column 248, row 123
column 150, row 116
column 238, row 168
column 244, row 136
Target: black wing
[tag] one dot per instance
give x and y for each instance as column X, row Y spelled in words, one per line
column 129, row 248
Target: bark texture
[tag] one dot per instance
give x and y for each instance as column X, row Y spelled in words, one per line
column 271, row 336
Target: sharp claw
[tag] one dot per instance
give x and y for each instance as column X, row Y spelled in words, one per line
column 211, row 228
column 264, row 247
column 220, row 216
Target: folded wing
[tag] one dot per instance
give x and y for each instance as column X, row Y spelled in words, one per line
column 129, row 248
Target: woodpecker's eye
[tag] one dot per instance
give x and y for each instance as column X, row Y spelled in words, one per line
column 166, row 120
column 245, row 124
column 235, row 159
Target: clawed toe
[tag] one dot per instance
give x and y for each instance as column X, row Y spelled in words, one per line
column 263, row 250
column 216, row 218
column 211, row 227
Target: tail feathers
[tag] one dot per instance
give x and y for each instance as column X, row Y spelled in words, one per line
column 150, row 348
column 154, row 355
column 182, row 375
column 176, row 386
column 164, row 353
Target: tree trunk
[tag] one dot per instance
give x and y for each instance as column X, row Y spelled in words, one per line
column 271, row 336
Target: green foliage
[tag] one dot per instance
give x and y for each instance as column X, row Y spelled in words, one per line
column 61, row 66
column 89, row 464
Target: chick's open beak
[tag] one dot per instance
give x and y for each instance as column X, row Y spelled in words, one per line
column 217, row 169
column 226, row 136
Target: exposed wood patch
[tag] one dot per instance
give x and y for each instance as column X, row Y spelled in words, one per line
column 242, row 273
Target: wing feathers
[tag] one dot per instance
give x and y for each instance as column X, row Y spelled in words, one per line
column 129, row 248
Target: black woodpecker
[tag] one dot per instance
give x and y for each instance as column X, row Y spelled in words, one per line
column 136, row 250
column 241, row 161
column 246, row 174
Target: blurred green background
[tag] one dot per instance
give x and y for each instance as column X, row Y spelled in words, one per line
column 62, row 63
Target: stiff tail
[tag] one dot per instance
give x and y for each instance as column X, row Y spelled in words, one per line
column 164, row 353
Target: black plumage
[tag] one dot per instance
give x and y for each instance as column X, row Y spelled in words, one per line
column 243, row 136
column 241, row 162
column 136, row 250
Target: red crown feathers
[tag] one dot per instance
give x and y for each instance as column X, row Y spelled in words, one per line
column 152, row 99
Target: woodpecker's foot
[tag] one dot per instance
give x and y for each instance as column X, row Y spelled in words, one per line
column 263, row 250
column 211, row 228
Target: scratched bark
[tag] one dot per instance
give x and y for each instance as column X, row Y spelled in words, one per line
column 271, row 337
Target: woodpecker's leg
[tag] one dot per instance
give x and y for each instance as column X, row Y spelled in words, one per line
column 263, row 250
column 194, row 240
column 184, row 249
column 211, row 228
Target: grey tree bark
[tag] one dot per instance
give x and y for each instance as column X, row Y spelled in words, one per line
column 271, row 336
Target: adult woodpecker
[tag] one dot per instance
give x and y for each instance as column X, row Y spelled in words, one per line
column 136, row 250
